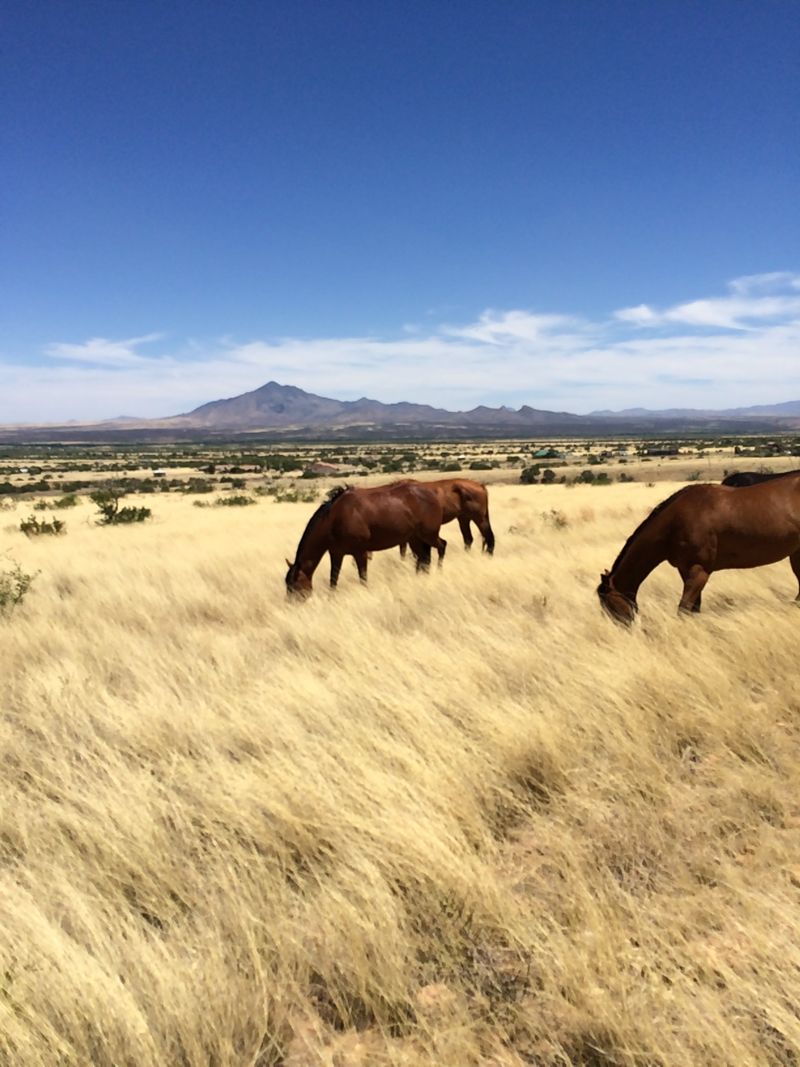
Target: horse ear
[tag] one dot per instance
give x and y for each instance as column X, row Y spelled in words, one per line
column 288, row 562
column 605, row 574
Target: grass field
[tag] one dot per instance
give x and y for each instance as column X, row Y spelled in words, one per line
column 455, row 819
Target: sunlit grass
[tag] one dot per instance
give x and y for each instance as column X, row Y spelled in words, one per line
column 454, row 819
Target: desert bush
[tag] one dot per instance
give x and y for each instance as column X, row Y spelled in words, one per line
column 530, row 475
column 295, row 496
column 481, row 465
column 107, row 501
column 69, row 500
column 33, row 527
column 196, row 485
column 555, row 518
column 13, row 489
column 14, row 584
column 240, row 500
column 625, row 477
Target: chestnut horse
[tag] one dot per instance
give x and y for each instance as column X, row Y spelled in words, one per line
column 466, row 501
column 702, row 529
column 356, row 522
column 742, row 478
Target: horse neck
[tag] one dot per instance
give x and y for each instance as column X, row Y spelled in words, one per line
column 644, row 553
column 313, row 545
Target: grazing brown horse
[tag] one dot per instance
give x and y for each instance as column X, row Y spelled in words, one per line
column 702, row 529
column 466, row 501
column 742, row 478
column 356, row 522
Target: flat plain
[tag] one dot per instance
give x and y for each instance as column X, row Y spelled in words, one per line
column 449, row 819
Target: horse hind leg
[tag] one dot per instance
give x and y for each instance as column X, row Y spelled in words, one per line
column 487, row 533
column 694, row 580
column 466, row 532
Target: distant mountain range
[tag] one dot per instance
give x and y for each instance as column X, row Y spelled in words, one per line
column 285, row 412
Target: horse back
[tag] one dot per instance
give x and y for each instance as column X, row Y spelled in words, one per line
column 384, row 516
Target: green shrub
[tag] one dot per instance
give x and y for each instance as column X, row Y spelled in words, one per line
column 530, row 475
column 33, row 527
column 481, row 465
column 14, row 584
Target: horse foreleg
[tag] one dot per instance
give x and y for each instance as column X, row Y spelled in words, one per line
column 694, row 580
column 795, row 562
column 466, row 532
column 422, row 553
column 336, row 566
column 441, row 548
column 362, row 558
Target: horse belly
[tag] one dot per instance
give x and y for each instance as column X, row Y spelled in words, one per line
column 738, row 551
column 379, row 535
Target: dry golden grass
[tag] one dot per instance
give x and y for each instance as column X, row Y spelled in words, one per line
column 460, row 819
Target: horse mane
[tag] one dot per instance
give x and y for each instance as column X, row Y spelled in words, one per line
column 656, row 511
column 744, row 479
column 323, row 509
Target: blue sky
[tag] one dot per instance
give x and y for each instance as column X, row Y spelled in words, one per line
column 575, row 205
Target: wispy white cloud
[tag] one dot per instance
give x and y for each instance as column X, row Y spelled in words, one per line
column 101, row 351
column 773, row 281
column 509, row 327
column 751, row 300
column 739, row 348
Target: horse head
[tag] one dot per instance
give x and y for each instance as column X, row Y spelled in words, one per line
column 298, row 583
column 620, row 607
